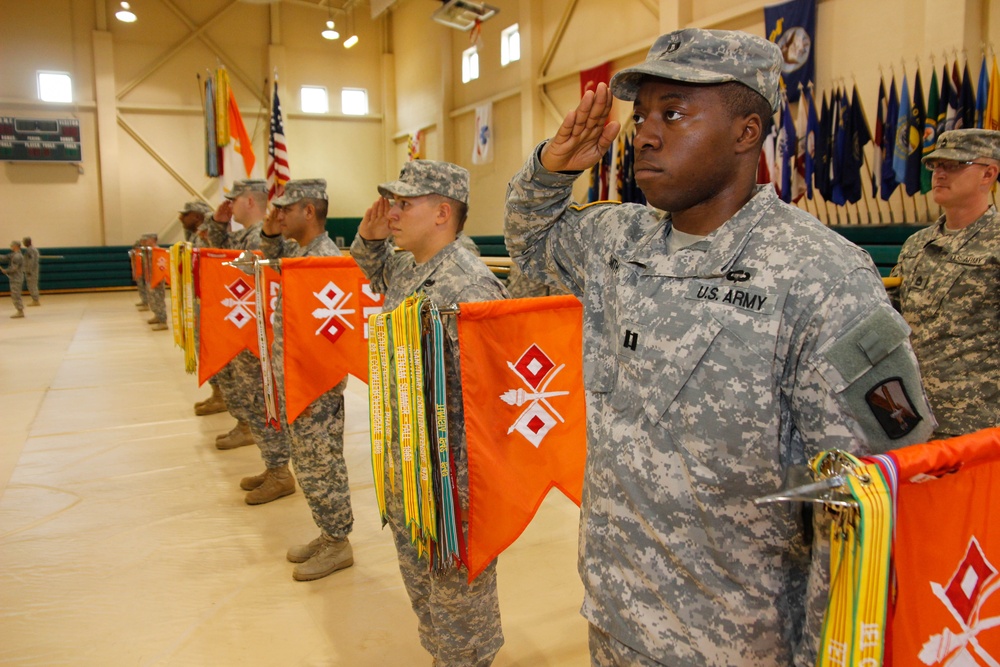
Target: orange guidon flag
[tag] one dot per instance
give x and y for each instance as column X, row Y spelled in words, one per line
column 227, row 323
column 947, row 553
column 525, row 414
column 325, row 303
column 161, row 267
column 136, row 257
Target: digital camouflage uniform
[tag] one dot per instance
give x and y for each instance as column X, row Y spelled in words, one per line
column 31, row 263
column 708, row 372
column 316, row 437
column 459, row 623
column 15, row 274
column 240, row 380
column 950, row 297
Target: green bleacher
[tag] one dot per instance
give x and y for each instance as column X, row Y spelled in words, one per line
column 107, row 267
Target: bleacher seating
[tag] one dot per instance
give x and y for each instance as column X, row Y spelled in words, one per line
column 107, row 267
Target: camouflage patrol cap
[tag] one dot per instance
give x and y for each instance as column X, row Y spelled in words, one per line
column 196, row 206
column 695, row 55
column 247, row 185
column 966, row 145
column 304, row 188
column 425, row 177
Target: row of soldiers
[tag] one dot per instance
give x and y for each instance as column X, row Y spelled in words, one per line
column 423, row 212
column 22, row 272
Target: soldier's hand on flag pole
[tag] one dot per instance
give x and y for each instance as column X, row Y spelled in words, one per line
column 585, row 134
column 375, row 224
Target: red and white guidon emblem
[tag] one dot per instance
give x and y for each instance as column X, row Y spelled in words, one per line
column 973, row 582
column 242, row 304
column 333, row 312
column 536, row 370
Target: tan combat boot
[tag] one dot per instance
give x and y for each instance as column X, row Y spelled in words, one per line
column 216, row 396
column 332, row 555
column 254, row 481
column 300, row 553
column 239, row 428
column 211, row 405
column 278, row 483
column 160, row 326
column 142, row 307
column 240, row 436
column 153, row 320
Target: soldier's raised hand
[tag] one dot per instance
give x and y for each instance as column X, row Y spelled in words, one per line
column 583, row 138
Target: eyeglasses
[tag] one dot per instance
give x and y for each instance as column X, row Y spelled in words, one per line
column 950, row 166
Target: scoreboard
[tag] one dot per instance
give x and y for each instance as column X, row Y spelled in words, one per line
column 39, row 140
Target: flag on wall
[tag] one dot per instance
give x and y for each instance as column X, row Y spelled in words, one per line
column 812, row 130
column 589, row 78
column 415, row 145
column 967, row 101
column 792, row 26
column 239, row 143
column 325, row 305
column 982, row 94
column 902, row 149
column 785, row 151
column 278, row 171
column 211, row 143
column 877, row 138
column 482, row 146
column 525, row 414
column 858, row 136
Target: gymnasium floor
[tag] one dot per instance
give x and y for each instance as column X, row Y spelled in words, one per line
column 124, row 538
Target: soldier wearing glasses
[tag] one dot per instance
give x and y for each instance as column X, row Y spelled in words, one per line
column 949, row 294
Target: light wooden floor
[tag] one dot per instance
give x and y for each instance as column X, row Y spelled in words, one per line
column 124, row 539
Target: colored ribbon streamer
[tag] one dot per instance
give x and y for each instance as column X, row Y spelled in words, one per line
column 187, row 280
column 402, row 349
column 266, row 369
column 854, row 627
column 176, row 294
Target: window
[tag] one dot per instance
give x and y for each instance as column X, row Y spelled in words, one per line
column 510, row 45
column 314, row 99
column 354, row 101
column 55, row 87
column 470, row 64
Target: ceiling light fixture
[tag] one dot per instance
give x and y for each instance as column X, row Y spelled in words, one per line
column 330, row 33
column 125, row 14
column 353, row 39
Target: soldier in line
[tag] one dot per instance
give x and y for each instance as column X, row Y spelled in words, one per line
column 298, row 229
column 31, row 265
column 156, row 296
column 949, row 296
column 15, row 274
column 424, row 211
column 724, row 340
column 195, row 218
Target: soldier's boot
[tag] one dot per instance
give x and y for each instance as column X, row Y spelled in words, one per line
column 240, row 427
column 142, row 307
column 153, row 320
column 159, row 326
column 35, row 302
column 240, row 436
column 17, row 315
column 300, row 553
column 216, row 396
column 211, row 405
column 278, row 483
column 254, row 481
column 332, row 555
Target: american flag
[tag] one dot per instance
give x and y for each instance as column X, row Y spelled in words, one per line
column 278, row 172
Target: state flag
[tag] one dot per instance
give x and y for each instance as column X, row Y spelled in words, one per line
column 325, row 305
column 888, row 182
column 525, row 414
